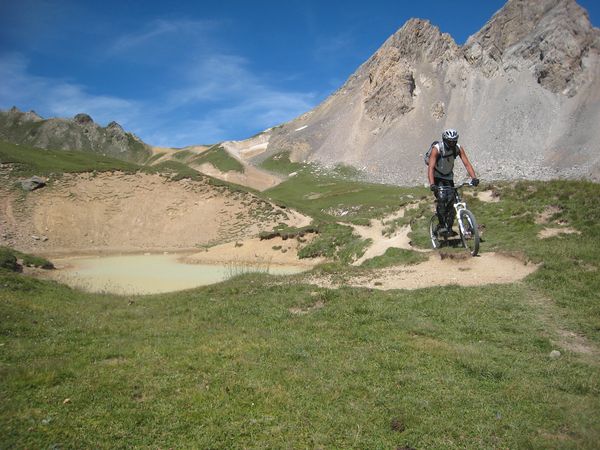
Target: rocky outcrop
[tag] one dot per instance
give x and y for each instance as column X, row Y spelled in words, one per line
column 79, row 133
column 524, row 93
column 550, row 38
column 390, row 90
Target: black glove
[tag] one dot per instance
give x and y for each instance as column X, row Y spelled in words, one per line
column 475, row 182
column 433, row 187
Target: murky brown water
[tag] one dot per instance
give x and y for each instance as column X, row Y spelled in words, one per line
column 150, row 274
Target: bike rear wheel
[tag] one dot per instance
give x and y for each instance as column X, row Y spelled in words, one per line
column 469, row 233
column 433, row 225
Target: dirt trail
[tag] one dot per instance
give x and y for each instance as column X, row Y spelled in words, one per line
column 251, row 177
column 488, row 268
column 380, row 243
column 438, row 270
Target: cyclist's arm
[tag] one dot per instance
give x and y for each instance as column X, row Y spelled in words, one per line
column 433, row 156
column 466, row 162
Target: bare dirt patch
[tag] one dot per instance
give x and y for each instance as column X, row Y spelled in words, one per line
column 380, row 243
column 552, row 232
column 545, row 216
column 117, row 212
column 489, row 196
column 251, row 176
column 488, row 268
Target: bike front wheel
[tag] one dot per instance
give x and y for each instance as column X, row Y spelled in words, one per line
column 469, row 233
column 433, row 225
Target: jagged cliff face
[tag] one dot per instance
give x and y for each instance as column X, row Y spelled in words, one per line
column 524, row 93
column 79, row 133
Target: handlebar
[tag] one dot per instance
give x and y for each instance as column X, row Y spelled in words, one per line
column 448, row 188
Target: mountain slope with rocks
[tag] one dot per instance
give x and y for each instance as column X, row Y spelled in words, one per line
column 524, row 93
column 79, row 133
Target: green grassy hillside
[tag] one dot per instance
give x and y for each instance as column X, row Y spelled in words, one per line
column 35, row 161
column 263, row 362
column 218, row 157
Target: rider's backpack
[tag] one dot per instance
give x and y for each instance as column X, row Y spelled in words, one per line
column 440, row 146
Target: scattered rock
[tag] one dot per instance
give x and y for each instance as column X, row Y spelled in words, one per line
column 437, row 110
column 33, row 183
column 554, row 354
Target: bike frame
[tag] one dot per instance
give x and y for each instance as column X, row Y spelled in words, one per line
column 458, row 204
column 466, row 221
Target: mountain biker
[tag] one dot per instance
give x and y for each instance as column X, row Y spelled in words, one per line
column 441, row 173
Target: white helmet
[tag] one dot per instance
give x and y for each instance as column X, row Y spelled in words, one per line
column 450, row 135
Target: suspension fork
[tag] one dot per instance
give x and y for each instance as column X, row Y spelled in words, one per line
column 458, row 207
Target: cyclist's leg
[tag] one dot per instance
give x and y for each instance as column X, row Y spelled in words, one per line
column 444, row 203
column 451, row 214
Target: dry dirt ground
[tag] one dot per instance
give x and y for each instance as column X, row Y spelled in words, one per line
column 117, row 212
column 112, row 213
column 553, row 227
column 439, row 270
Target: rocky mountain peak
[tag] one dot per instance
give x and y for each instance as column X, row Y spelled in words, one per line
column 114, row 126
column 548, row 37
column 419, row 40
column 83, row 119
column 390, row 87
column 17, row 115
column 528, row 83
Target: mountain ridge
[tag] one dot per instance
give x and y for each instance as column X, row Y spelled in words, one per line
column 523, row 93
column 78, row 133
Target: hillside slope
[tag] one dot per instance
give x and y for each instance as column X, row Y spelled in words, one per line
column 79, row 133
column 524, row 93
column 116, row 211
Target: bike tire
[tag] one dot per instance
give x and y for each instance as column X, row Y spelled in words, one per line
column 469, row 232
column 433, row 223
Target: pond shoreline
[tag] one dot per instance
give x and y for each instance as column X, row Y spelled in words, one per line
column 147, row 273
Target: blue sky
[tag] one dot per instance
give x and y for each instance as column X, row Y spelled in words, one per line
column 193, row 72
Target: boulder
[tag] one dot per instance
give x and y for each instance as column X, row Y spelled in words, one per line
column 33, row 183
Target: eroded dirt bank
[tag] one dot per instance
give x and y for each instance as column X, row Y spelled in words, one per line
column 117, row 212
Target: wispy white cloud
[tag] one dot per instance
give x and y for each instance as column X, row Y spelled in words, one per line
column 56, row 97
column 237, row 95
column 219, row 99
column 175, row 35
column 340, row 45
column 180, row 133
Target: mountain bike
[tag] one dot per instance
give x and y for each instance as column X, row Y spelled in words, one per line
column 467, row 225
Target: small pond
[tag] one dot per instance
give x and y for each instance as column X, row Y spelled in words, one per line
column 150, row 273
